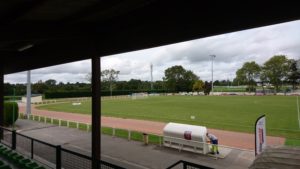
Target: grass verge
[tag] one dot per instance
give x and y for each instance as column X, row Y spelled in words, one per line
column 292, row 142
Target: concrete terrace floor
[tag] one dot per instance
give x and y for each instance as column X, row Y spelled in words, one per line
column 128, row 154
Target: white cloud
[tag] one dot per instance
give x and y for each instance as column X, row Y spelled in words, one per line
column 232, row 50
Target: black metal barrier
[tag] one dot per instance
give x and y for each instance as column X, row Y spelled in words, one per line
column 187, row 165
column 52, row 156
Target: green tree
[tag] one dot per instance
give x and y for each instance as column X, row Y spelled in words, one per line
column 134, row 84
column 263, row 80
column 240, row 77
column 121, row 85
column 110, row 76
column 189, row 79
column 8, row 89
column 198, row 86
column 178, row 79
column 276, row 69
column 39, row 87
column 50, row 82
column 248, row 73
column 159, row 85
column 207, row 88
column 293, row 74
column 217, row 83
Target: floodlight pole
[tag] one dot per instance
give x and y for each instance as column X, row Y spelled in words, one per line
column 212, row 73
column 28, row 91
column 151, row 67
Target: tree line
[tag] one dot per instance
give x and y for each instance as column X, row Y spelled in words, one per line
column 277, row 71
column 176, row 79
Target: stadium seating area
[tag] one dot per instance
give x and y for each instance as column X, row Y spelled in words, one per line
column 16, row 159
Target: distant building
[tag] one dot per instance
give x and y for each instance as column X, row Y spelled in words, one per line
column 35, row 98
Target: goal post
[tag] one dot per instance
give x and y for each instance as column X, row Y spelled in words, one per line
column 135, row 96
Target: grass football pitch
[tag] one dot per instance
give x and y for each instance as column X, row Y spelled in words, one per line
column 235, row 113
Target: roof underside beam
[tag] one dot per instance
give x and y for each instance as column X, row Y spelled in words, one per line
column 145, row 26
column 20, row 10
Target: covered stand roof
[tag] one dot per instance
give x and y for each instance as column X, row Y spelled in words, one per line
column 278, row 157
column 40, row 33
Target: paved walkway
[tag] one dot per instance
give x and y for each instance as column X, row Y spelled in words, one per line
column 227, row 138
column 129, row 154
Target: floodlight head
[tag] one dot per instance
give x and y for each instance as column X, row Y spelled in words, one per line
column 25, row 47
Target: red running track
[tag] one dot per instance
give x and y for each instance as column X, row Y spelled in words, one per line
column 227, row 138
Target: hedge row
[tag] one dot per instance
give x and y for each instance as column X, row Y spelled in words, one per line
column 67, row 94
column 6, row 98
column 70, row 94
column 11, row 113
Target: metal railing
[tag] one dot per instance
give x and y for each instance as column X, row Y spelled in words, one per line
column 83, row 126
column 161, row 141
column 59, row 122
column 62, row 100
column 52, row 156
column 79, row 99
column 187, row 165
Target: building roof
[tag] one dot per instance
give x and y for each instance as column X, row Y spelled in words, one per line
column 278, row 157
column 33, row 95
column 40, row 33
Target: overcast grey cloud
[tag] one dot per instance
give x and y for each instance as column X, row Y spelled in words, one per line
column 231, row 50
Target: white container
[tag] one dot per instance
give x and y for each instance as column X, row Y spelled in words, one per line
column 186, row 137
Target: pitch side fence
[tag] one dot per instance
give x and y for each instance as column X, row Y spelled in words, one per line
column 52, row 156
column 187, row 165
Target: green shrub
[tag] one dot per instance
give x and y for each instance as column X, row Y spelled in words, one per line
column 72, row 124
column 292, row 142
column 107, row 130
column 250, row 89
column 82, row 126
column 11, row 113
column 7, row 98
column 36, row 118
column 48, row 120
column 67, row 94
column 63, row 123
column 55, row 121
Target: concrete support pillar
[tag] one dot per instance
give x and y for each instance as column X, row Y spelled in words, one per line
column 28, row 92
column 96, row 113
column 1, row 99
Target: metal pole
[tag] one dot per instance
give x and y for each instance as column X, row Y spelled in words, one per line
column 58, row 157
column 96, row 112
column 151, row 67
column 212, row 74
column 28, row 102
column 13, row 140
column 1, row 99
column 14, row 109
column 32, row 148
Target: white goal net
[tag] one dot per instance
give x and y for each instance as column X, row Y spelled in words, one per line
column 135, row 96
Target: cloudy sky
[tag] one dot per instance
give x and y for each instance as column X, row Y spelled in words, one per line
column 231, row 50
